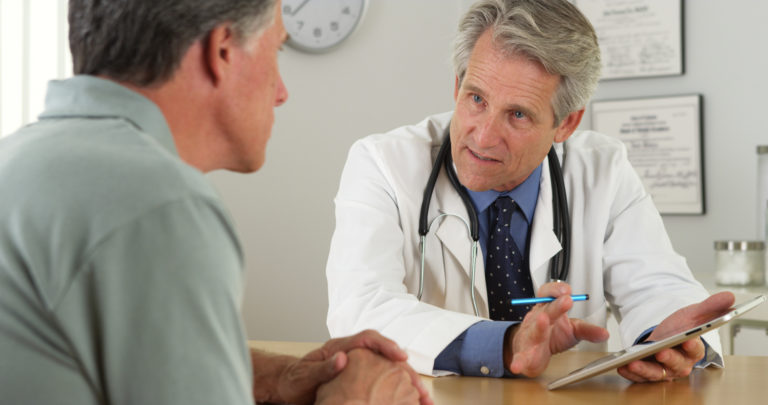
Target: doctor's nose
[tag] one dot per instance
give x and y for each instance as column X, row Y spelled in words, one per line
column 487, row 133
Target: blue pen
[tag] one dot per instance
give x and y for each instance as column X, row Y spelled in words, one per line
column 540, row 300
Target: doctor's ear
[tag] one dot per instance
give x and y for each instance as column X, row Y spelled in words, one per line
column 568, row 125
column 456, row 86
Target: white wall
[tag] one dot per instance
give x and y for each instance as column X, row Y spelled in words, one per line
column 726, row 61
column 395, row 70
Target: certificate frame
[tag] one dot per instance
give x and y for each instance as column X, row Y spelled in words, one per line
column 638, row 38
column 664, row 140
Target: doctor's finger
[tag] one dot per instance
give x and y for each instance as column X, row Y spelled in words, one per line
column 530, row 346
column 629, row 375
column 694, row 349
column 554, row 289
column 583, row 330
column 677, row 362
column 713, row 306
column 532, row 333
column 650, row 371
column 558, row 307
column 676, row 368
column 719, row 302
column 690, row 351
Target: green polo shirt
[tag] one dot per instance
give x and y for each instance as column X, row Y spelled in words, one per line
column 120, row 271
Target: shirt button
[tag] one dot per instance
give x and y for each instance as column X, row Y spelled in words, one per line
column 485, row 370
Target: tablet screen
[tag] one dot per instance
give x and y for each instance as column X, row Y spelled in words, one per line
column 622, row 357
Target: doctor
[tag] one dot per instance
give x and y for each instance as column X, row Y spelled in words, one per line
column 524, row 73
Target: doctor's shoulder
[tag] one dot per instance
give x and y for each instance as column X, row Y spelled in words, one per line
column 595, row 143
column 411, row 143
column 431, row 129
column 598, row 160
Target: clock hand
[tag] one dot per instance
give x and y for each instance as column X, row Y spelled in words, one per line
column 303, row 3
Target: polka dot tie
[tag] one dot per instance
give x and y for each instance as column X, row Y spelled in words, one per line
column 506, row 271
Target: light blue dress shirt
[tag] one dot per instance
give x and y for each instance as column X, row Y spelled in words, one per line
column 479, row 350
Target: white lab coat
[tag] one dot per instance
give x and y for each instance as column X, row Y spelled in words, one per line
column 620, row 252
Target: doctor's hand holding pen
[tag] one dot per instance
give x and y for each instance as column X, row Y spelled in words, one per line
column 547, row 330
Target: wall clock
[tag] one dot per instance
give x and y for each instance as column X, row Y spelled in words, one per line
column 320, row 25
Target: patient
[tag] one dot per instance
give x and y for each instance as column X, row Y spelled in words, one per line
column 121, row 275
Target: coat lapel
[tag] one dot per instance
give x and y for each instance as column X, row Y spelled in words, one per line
column 454, row 234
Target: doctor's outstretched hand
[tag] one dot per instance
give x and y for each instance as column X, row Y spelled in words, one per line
column 547, row 330
column 678, row 361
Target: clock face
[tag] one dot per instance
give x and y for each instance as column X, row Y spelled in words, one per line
column 319, row 25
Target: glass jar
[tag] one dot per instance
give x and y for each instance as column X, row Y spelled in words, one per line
column 739, row 262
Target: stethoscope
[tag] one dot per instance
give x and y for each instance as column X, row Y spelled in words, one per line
column 558, row 266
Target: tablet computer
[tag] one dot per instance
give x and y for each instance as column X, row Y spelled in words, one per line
column 622, row 357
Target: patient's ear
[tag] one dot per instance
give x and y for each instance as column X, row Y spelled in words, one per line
column 217, row 55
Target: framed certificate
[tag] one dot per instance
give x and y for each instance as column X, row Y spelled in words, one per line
column 663, row 137
column 638, row 38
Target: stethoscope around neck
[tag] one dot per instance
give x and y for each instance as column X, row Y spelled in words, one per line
column 558, row 266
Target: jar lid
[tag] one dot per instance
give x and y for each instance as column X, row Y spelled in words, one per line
column 739, row 245
column 762, row 149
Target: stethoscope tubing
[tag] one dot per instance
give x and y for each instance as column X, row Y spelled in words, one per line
column 559, row 265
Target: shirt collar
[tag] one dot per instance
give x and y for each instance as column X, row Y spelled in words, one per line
column 85, row 96
column 525, row 195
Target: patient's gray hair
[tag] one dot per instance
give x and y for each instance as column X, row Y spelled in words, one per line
column 553, row 32
column 143, row 41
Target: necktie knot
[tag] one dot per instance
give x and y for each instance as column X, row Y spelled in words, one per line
column 503, row 208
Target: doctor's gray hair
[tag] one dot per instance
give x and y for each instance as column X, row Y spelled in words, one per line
column 143, row 41
column 552, row 32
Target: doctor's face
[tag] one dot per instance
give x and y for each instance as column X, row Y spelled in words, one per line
column 503, row 124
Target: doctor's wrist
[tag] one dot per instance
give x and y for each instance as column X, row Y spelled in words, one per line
column 509, row 337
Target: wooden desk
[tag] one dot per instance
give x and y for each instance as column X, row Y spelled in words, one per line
column 743, row 381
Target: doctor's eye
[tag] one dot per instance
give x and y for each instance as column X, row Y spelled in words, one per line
column 477, row 99
column 519, row 115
